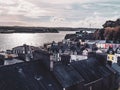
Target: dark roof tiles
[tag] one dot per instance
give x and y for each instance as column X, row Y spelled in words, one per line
column 67, row 75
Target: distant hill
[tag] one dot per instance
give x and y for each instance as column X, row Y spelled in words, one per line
column 20, row 29
column 17, row 29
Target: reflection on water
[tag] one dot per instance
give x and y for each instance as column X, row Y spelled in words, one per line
column 8, row 41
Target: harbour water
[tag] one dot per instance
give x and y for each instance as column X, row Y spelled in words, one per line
column 8, row 41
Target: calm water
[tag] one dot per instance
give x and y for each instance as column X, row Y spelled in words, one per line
column 8, row 41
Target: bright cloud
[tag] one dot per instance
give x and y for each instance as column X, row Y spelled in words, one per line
column 8, row 2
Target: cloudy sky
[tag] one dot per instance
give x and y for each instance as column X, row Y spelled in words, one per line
column 58, row 13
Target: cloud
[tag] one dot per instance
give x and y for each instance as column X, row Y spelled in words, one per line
column 22, row 7
column 93, row 21
column 71, row 1
column 61, row 13
column 57, row 19
column 11, row 20
column 86, row 6
column 13, row 23
column 7, row 2
column 0, row 12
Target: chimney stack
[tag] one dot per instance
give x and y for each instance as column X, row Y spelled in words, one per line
column 51, row 62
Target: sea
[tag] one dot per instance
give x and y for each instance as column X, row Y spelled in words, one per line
column 11, row 40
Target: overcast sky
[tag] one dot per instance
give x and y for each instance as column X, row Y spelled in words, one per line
column 58, row 13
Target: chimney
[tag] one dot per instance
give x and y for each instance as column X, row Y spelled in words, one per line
column 63, row 88
column 25, row 48
column 65, row 59
column 51, row 62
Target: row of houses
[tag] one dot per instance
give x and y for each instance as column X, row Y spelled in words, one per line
column 102, row 44
column 45, row 73
column 88, row 74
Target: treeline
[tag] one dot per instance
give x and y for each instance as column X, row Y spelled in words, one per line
column 15, row 29
column 109, row 32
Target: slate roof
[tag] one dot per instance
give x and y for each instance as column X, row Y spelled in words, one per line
column 35, row 75
column 27, row 76
column 67, row 75
column 91, row 71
